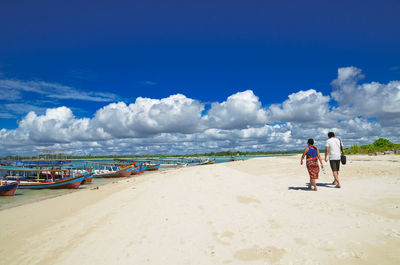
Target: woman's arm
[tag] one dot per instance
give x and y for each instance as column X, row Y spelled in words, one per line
column 304, row 154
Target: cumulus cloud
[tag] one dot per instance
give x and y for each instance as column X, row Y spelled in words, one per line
column 178, row 124
column 370, row 100
column 240, row 110
column 146, row 117
column 304, row 106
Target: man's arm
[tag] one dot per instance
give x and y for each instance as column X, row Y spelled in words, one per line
column 326, row 153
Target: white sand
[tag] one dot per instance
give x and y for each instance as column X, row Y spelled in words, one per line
column 251, row 212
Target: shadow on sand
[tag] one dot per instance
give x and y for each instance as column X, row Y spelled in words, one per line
column 327, row 185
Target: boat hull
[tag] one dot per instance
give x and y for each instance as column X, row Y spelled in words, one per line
column 87, row 180
column 122, row 173
column 152, row 167
column 69, row 183
column 8, row 189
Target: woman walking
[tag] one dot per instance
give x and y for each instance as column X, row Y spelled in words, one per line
column 313, row 156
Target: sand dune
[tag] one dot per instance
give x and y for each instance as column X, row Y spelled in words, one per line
column 246, row 212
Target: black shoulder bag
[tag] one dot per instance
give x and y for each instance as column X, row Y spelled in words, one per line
column 342, row 156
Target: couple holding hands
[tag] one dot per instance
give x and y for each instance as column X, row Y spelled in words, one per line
column 333, row 150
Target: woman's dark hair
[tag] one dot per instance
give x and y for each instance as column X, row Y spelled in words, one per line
column 331, row 134
column 310, row 141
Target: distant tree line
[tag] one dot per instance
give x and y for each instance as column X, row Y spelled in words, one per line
column 380, row 145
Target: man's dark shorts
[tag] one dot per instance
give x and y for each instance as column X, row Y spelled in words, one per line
column 335, row 164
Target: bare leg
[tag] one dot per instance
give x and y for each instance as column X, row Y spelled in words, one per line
column 309, row 185
column 336, row 176
column 312, row 182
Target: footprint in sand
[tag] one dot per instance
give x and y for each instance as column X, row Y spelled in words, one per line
column 224, row 238
column 271, row 254
column 244, row 199
column 273, row 224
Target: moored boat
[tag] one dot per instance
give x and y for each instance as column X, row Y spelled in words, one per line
column 139, row 170
column 44, row 178
column 87, row 179
column 68, row 183
column 120, row 173
column 88, row 173
column 207, row 162
column 8, row 188
column 152, row 167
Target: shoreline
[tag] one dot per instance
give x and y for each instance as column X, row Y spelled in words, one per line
column 255, row 211
column 27, row 196
column 45, row 194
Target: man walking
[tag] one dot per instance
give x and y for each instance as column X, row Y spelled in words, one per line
column 333, row 149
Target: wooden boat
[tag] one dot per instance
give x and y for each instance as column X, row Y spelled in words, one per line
column 88, row 177
column 87, row 180
column 44, row 178
column 68, row 183
column 121, row 173
column 174, row 164
column 152, row 167
column 8, row 188
column 139, row 170
column 207, row 162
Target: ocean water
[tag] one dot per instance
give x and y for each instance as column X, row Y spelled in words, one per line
column 24, row 196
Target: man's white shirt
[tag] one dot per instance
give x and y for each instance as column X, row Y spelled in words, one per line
column 334, row 148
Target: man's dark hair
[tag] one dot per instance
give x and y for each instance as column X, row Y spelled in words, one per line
column 331, row 134
column 310, row 141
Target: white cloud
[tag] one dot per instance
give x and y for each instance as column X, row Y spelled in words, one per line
column 12, row 89
column 178, row 124
column 9, row 94
column 240, row 110
column 370, row 100
column 146, row 117
column 304, row 106
column 23, row 108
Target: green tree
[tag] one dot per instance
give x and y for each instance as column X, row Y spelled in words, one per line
column 382, row 143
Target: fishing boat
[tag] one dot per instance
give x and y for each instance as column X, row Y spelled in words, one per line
column 207, row 162
column 173, row 164
column 44, row 178
column 139, row 169
column 88, row 177
column 151, row 167
column 8, row 188
column 122, row 172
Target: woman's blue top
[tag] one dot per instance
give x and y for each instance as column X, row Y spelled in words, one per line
column 312, row 152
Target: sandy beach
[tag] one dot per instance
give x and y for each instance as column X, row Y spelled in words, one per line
column 256, row 211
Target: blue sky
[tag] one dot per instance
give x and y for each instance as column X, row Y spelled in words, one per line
column 104, row 52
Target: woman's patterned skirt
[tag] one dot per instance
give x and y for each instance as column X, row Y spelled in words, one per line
column 312, row 167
